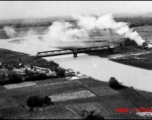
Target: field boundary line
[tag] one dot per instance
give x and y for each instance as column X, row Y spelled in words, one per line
column 91, row 91
column 102, row 107
column 127, row 100
column 72, row 111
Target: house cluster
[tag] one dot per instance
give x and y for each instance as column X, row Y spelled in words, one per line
column 22, row 69
column 20, row 72
column 71, row 75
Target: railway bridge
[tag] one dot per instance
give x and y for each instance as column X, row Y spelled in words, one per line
column 73, row 51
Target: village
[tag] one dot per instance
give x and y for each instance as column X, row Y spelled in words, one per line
column 20, row 73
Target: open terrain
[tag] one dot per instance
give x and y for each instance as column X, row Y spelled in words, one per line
column 137, row 58
column 71, row 97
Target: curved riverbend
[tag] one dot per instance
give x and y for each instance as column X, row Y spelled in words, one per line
column 102, row 69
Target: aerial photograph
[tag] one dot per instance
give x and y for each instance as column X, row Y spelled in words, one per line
column 76, row 60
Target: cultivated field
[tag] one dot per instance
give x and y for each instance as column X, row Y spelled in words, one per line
column 19, row 85
column 70, row 98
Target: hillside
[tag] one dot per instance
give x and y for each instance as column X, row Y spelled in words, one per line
column 70, row 97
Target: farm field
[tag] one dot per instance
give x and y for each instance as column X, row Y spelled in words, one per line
column 24, row 84
column 102, row 99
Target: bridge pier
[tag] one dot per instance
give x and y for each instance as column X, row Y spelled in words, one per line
column 75, row 54
column 110, row 50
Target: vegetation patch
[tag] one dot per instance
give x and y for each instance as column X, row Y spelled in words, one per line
column 72, row 95
column 7, row 102
column 136, row 63
column 124, row 116
column 36, row 101
column 63, row 90
column 20, row 85
column 89, row 82
column 2, row 88
column 136, row 98
column 135, row 21
column 103, row 91
column 89, row 115
column 50, row 81
column 12, row 112
column 113, row 83
column 54, row 113
column 111, row 105
column 22, row 97
column 78, row 108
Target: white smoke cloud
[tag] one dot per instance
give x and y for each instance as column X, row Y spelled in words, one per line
column 65, row 32
column 107, row 22
column 25, row 33
column 84, row 28
column 10, row 31
column 127, row 32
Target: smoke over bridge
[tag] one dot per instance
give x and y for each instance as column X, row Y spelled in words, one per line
column 81, row 30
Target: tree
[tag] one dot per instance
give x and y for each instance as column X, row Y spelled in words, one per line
column 129, row 42
column 47, row 101
column 60, row 72
column 26, row 71
column 89, row 115
column 115, row 84
column 36, row 101
column 53, row 66
column 14, row 78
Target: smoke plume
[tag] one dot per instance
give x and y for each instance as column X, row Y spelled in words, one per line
column 65, row 32
column 107, row 22
column 10, row 31
column 84, row 28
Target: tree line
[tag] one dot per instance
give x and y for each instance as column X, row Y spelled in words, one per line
column 135, row 21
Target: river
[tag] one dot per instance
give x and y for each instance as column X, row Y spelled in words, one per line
column 102, row 69
column 97, row 67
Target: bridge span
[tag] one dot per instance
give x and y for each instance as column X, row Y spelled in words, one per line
column 73, row 51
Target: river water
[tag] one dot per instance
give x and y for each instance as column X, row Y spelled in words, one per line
column 102, row 69
column 97, row 67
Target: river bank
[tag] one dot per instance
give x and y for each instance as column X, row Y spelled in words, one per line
column 102, row 69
